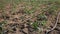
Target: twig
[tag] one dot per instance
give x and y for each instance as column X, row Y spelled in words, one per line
column 54, row 25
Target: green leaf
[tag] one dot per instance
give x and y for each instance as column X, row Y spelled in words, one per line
column 43, row 23
column 35, row 25
column 42, row 17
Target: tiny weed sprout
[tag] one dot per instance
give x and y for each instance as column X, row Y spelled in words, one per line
column 43, row 23
column 41, row 17
column 29, row 11
column 35, row 25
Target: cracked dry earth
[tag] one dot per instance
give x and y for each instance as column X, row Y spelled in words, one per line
column 18, row 22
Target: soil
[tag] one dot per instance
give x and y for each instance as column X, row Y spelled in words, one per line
column 18, row 22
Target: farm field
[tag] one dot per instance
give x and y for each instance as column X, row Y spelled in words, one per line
column 29, row 16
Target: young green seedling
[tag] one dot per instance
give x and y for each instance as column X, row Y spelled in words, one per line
column 41, row 17
column 35, row 25
column 43, row 23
